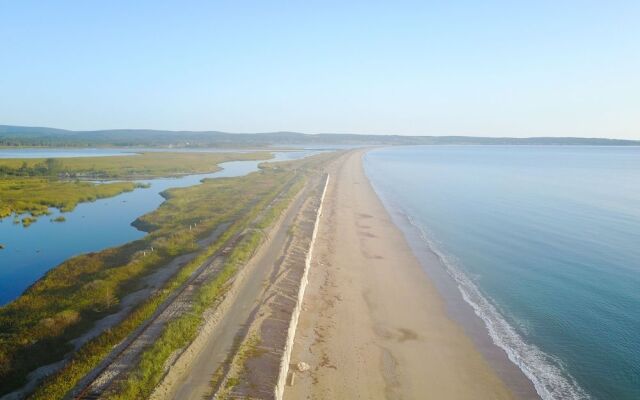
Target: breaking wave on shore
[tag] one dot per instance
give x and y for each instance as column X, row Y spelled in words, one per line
column 549, row 378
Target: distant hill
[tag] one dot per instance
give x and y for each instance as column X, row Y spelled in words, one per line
column 41, row 136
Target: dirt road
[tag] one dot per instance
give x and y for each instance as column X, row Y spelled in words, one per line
column 190, row 378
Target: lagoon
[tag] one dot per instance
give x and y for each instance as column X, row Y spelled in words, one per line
column 30, row 252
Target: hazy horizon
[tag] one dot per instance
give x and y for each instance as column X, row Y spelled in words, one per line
column 496, row 69
column 305, row 133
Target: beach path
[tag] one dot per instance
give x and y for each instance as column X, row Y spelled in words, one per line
column 372, row 325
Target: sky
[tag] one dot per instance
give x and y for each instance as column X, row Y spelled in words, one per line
column 480, row 68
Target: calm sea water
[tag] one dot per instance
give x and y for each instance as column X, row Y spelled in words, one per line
column 543, row 243
column 30, row 252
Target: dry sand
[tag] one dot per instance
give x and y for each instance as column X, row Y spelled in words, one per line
column 373, row 326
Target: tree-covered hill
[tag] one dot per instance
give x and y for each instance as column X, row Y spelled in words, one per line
column 40, row 136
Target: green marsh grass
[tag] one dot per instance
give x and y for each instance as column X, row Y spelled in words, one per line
column 209, row 204
column 20, row 195
column 36, row 327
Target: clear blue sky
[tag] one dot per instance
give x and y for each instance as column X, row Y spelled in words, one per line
column 489, row 68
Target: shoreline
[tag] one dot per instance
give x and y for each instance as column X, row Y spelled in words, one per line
column 359, row 330
column 457, row 308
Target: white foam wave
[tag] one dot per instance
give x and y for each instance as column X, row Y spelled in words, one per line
column 546, row 373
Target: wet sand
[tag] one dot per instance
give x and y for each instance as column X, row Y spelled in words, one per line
column 373, row 326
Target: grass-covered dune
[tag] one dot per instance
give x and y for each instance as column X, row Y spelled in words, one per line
column 36, row 328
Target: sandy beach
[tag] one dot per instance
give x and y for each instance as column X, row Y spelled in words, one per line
column 373, row 326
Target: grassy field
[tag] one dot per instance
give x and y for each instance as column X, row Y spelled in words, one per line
column 34, row 185
column 36, row 195
column 152, row 164
column 37, row 327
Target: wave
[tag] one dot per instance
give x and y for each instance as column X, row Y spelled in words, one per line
column 550, row 379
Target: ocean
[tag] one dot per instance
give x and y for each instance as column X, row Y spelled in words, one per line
column 540, row 242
